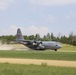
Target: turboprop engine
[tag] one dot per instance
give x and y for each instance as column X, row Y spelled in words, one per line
column 38, row 45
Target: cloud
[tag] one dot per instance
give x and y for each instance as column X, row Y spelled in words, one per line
column 30, row 30
column 4, row 4
column 52, row 2
column 40, row 30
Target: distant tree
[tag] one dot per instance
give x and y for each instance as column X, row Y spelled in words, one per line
column 52, row 36
column 37, row 37
column 26, row 37
column 63, row 39
column 7, row 39
column 59, row 35
column 72, row 39
column 31, row 37
column 44, row 38
column 48, row 36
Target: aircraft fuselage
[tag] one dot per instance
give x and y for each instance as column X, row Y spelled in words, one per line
column 37, row 45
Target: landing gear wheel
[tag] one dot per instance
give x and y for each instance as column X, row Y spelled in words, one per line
column 55, row 49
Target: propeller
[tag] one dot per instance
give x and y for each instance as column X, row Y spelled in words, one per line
column 38, row 42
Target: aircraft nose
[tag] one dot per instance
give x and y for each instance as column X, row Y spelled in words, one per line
column 60, row 46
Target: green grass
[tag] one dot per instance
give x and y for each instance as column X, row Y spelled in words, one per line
column 67, row 47
column 51, row 55
column 16, row 69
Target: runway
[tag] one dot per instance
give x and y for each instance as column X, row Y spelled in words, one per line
column 39, row 62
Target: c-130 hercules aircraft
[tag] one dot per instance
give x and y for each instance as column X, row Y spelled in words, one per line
column 37, row 45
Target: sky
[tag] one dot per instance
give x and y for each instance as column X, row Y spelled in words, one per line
column 38, row 16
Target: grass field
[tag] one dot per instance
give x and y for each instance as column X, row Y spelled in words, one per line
column 10, row 69
column 67, row 47
column 68, row 52
column 51, row 55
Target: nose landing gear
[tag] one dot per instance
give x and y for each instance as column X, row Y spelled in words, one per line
column 55, row 49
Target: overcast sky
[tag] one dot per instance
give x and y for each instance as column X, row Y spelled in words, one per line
column 37, row 16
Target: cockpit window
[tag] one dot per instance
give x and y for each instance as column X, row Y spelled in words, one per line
column 56, row 45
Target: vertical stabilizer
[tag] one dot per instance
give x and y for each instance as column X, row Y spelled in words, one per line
column 19, row 36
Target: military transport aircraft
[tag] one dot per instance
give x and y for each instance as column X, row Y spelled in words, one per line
column 37, row 45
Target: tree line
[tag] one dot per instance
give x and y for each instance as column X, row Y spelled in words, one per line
column 71, row 39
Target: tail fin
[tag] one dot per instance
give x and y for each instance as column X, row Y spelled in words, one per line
column 19, row 36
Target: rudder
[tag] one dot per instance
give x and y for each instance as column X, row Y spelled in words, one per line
column 19, row 36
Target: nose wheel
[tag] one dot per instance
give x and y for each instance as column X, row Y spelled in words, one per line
column 55, row 49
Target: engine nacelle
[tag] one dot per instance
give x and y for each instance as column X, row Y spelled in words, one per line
column 37, row 42
column 40, row 47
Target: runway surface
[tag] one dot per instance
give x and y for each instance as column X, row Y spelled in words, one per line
column 39, row 62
